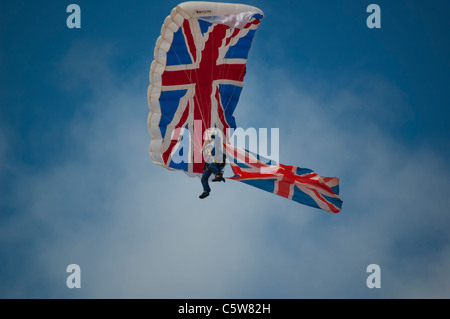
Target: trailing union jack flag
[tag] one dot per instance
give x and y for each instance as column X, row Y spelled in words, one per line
column 298, row 184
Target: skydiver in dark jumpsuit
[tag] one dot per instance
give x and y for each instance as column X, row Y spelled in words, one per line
column 211, row 167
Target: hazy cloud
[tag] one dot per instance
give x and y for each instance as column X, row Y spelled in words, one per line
column 138, row 230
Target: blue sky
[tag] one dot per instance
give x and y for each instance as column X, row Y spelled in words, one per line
column 77, row 184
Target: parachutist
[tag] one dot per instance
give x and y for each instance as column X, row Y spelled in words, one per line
column 211, row 167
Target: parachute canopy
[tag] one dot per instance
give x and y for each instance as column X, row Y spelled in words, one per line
column 196, row 78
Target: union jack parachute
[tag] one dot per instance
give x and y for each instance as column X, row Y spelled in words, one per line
column 196, row 78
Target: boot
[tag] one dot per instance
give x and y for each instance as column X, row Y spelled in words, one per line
column 204, row 194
